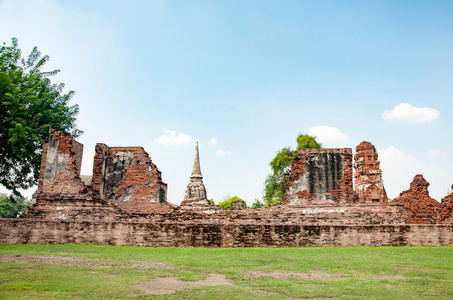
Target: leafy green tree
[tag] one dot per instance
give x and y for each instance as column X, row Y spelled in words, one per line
column 30, row 104
column 258, row 204
column 227, row 203
column 307, row 141
column 12, row 206
column 275, row 184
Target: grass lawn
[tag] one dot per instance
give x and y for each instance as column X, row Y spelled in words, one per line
column 108, row 272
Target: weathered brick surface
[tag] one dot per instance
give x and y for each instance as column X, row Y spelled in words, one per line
column 132, row 180
column 446, row 209
column 124, row 176
column 320, row 176
column 122, row 206
column 421, row 208
column 171, row 234
column 369, row 185
column 97, row 180
column 127, row 177
column 60, row 166
column 57, row 207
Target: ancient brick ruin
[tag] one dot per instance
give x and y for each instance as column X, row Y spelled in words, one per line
column 369, row 185
column 127, row 177
column 320, row 176
column 124, row 203
column 422, row 209
column 446, row 209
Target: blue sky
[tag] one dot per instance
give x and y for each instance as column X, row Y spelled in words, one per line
column 245, row 77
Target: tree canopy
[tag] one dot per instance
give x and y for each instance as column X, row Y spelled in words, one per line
column 30, row 104
column 227, row 203
column 275, row 184
column 12, row 206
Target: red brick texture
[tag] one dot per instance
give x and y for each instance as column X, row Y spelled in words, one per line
column 369, row 185
column 60, row 166
column 446, row 209
column 321, row 176
column 131, row 180
column 168, row 234
column 125, row 205
column 421, row 208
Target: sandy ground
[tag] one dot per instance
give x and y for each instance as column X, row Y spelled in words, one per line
column 84, row 261
column 313, row 275
column 170, row 285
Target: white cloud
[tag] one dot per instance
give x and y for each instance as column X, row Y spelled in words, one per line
column 398, row 170
column 408, row 112
column 395, row 157
column 327, row 134
column 170, row 138
column 221, row 152
column 437, row 152
column 212, row 142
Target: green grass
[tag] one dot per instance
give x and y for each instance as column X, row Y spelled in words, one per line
column 361, row 272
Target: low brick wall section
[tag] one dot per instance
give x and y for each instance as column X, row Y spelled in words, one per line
column 23, row 231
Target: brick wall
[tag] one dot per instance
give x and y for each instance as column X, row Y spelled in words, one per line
column 60, row 165
column 320, row 176
column 127, row 177
column 446, row 210
column 171, row 234
column 125, row 204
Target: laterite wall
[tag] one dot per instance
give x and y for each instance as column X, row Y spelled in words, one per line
column 23, row 231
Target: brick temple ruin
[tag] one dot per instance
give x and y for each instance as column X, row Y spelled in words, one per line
column 124, row 202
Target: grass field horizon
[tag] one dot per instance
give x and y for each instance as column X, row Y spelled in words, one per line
column 109, row 272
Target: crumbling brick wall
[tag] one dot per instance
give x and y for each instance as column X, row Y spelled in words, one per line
column 125, row 205
column 421, row 208
column 168, row 234
column 74, row 208
column 369, row 185
column 127, row 176
column 60, row 165
column 446, row 209
column 320, row 176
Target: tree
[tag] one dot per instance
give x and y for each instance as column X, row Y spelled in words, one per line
column 275, row 184
column 307, row 141
column 30, row 104
column 258, row 204
column 227, row 203
column 12, row 206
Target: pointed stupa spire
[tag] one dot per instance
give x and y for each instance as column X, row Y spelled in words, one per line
column 195, row 191
column 196, row 170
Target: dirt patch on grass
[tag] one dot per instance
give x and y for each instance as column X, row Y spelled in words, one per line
column 84, row 261
column 388, row 277
column 312, row 275
column 321, row 276
column 170, row 285
column 308, row 298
